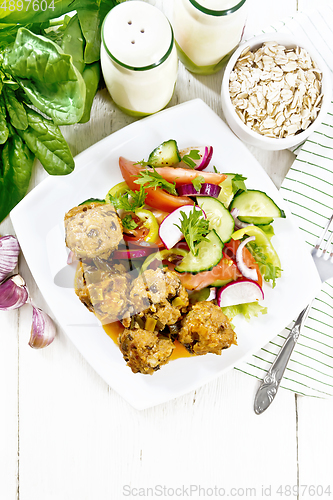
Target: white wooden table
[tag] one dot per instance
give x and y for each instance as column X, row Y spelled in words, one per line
column 65, row 435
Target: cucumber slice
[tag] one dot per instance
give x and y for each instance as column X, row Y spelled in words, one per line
column 253, row 203
column 209, row 255
column 219, row 217
column 165, row 155
column 256, row 220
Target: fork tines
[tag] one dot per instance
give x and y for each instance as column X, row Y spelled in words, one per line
column 326, row 251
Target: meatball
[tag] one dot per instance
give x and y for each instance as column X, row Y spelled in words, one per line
column 104, row 292
column 157, row 297
column 144, row 351
column 206, row 329
column 93, row 230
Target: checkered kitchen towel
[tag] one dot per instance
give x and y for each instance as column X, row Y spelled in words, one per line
column 308, row 188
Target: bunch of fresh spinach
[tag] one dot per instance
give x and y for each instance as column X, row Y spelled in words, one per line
column 51, row 66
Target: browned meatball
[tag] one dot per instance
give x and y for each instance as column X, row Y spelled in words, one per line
column 157, row 296
column 93, row 230
column 206, row 329
column 144, row 351
column 104, row 292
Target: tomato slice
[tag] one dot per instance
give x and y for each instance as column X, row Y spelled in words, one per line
column 156, row 198
column 230, row 250
column 225, row 270
column 185, row 176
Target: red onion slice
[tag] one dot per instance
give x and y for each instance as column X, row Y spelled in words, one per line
column 133, row 254
column 205, row 153
column 235, row 212
column 246, row 271
column 207, row 189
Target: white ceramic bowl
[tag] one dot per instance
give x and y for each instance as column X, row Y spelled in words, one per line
column 244, row 132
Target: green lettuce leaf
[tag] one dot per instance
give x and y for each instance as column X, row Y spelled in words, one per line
column 249, row 310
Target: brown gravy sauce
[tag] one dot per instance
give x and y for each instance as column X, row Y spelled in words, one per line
column 114, row 329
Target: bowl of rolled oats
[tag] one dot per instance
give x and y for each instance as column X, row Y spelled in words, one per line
column 275, row 92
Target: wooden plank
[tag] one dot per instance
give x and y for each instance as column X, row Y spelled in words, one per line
column 9, row 322
column 263, row 13
column 80, row 440
column 315, row 450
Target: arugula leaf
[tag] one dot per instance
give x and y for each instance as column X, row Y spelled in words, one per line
column 151, row 179
column 129, row 223
column 142, row 163
column 238, row 183
column 198, row 182
column 194, row 228
column 123, row 202
column 268, row 270
column 193, row 155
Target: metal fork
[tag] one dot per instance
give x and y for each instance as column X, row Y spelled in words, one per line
column 323, row 258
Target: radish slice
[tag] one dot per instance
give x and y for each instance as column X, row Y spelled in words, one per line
column 132, row 254
column 169, row 233
column 212, row 293
column 234, row 212
column 246, row 271
column 205, row 153
column 239, row 292
column 207, row 189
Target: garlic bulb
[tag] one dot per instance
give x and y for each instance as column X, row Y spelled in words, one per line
column 9, row 252
column 13, row 293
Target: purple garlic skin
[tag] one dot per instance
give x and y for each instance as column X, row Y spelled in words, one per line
column 9, row 252
column 43, row 329
column 13, row 293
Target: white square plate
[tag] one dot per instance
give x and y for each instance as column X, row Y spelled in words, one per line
column 38, row 222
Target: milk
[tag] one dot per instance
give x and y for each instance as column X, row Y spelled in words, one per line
column 207, row 31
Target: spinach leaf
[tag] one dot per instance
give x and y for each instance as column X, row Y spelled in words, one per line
column 73, row 43
column 16, row 111
column 46, row 141
column 4, row 132
column 17, row 161
column 91, row 16
column 56, row 8
column 47, row 76
column 91, row 76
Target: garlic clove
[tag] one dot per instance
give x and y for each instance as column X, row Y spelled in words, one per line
column 13, row 293
column 71, row 258
column 43, row 329
column 9, row 252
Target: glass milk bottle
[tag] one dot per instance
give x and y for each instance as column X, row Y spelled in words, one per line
column 138, row 58
column 207, row 32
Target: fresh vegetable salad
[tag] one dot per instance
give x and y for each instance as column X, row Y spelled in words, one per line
column 206, row 226
column 173, row 252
